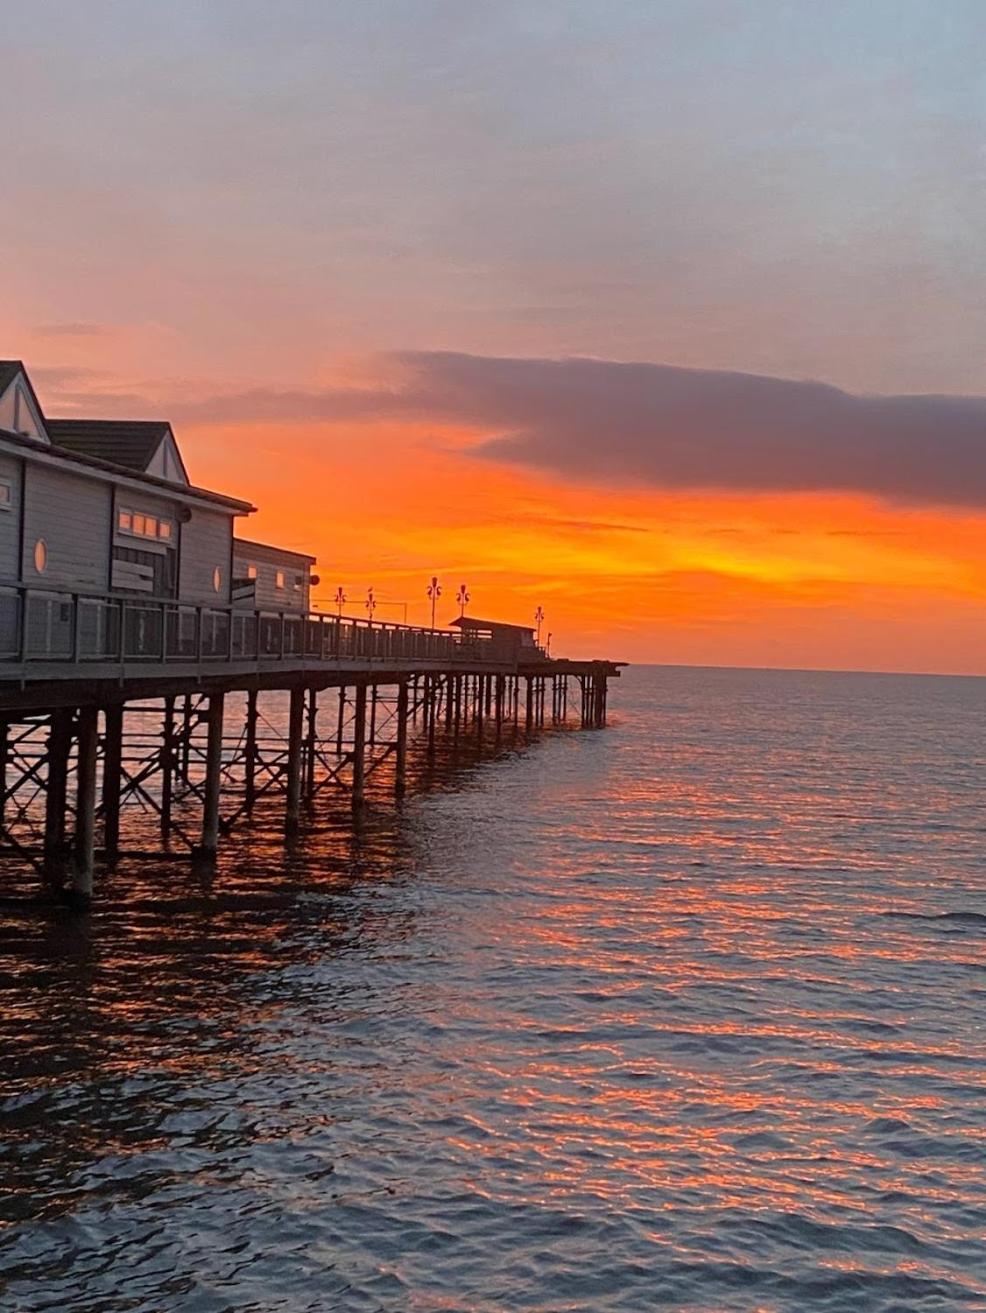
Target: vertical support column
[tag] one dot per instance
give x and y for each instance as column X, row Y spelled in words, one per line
column 186, row 735
column 529, row 716
column 112, row 780
column 488, row 680
column 359, row 747
column 4, row 755
column 84, row 846
column 449, row 702
column 480, row 705
column 500, row 686
column 400, row 757
column 311, row 744
column 342, row 719
column 250, row 752
column 167, row 760
column 373, row 715
column 59, row 746
column 296, row 717
column 430, row 694
column 213, row 778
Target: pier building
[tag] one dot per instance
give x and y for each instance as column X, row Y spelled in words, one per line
column 127, row 595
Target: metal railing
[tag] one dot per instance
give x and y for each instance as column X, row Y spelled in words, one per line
column 46, row 625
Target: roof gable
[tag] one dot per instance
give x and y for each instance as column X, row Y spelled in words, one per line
column 131, row 443
column 20, row 410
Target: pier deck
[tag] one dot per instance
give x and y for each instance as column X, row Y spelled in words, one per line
column 75, row 669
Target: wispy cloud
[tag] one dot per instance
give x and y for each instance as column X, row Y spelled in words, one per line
column 70, row 330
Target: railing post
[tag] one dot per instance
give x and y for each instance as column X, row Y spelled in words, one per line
column 22, row 629
column 199, row 634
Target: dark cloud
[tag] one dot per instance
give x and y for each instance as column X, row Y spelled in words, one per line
column 662, row 425
column 675, row 428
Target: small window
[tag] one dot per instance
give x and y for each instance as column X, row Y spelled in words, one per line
column 6, row 495
column 299, row 582
column 164, row 530
column 138, row 523
column 150, row 526
column 125, row 522
column 217, row 579
column 279, row 579
column 41, row 556
column 251, row 572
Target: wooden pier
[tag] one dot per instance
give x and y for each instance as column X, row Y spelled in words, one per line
column 165, row 719
column 142, row 641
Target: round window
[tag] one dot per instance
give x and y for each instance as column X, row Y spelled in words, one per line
column 41, row 556
column 217, row 579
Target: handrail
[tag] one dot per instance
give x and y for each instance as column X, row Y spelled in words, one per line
column 76, row 628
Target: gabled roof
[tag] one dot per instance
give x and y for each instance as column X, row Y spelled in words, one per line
column 249, row 543
column 471, row 622
column 129, row 442
column 47, row 451
column 10, row 370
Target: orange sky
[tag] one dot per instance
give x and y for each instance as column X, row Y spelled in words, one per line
column 206, row 208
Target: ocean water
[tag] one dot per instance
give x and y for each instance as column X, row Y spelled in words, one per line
column 687, row 1013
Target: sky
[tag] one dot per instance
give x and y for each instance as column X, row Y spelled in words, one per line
column 665, row 315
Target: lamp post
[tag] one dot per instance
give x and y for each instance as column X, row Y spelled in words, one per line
column 434, row 592
column 462, row 597
column 340, row 600
column 539, row 620
column 370, row 603
column 547, row 646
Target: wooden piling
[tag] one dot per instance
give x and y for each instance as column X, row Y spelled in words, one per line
column 250, row 752
column 112, row 780
column 167, row 762
column 209, row 846
column 359, row 748
column 296, row 717
column 400, row 752
column 83, row 849
column 59, row 746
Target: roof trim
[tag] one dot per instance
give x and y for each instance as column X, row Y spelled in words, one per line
column 17, row 369
column 272, row 547
column 471, row 622
column 124, row 472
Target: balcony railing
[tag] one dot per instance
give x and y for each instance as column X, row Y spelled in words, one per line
column 43, row 625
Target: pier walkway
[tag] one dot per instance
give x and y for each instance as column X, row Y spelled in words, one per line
column 79, row 671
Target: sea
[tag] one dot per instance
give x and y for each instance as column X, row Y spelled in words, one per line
column 687, row 1013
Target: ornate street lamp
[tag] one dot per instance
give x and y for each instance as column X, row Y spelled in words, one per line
column 462, row 597
column 370, row 603
column 340, row 600
column 539, row 620
column 434, row 592
column 547, row 646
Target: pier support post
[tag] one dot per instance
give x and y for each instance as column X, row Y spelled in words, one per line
column 529, row 710
column 359, row 748
column 400, row 753
column 112, row 780
column 85, row 806
column 59, row 746
column 500, row 687
column 311, row 744
column 250, row 752
column 167, row 760
column 296, row 715
column 342, row 720
column 209, row 847
column 4, row 755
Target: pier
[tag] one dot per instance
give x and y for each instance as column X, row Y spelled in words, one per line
column 143, row 644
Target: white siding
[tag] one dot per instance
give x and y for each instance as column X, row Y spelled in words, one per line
column 10, row 519
column 268, row 561
column 72, row 515
column 206, row 543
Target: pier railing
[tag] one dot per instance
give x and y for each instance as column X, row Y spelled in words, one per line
column 46, row 625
